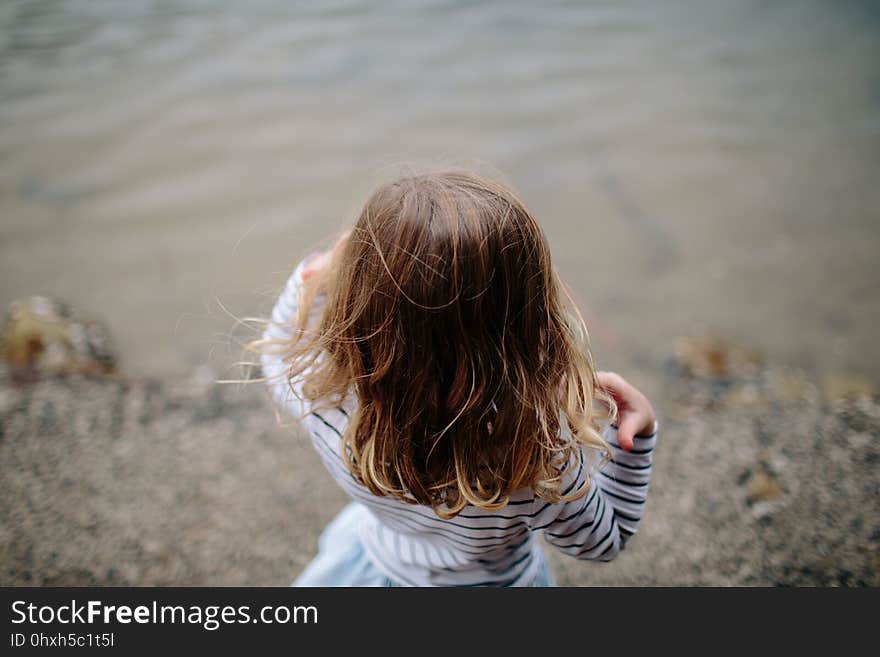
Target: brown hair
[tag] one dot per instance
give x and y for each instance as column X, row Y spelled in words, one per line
column 468, row 358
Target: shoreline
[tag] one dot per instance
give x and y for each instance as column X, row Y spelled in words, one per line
column 758, row 480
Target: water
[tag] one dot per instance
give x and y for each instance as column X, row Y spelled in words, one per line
column 698, row 166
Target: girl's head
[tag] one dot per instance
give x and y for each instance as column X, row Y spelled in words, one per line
column 469, row 361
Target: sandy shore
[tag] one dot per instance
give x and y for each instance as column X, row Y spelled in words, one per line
column 758, row 481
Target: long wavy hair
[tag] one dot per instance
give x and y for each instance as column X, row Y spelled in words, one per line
column 468, row 358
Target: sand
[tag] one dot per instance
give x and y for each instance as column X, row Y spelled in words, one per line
column 758, row 480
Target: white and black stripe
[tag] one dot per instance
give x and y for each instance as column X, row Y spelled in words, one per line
column 413, row 546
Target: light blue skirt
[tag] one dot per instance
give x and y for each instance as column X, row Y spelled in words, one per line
column 342, row 560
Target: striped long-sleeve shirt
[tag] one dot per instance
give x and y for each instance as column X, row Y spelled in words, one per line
column 413, row 546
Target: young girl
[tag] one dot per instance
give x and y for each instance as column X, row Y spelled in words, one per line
column 443, row 375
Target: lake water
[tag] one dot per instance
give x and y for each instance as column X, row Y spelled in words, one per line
column 699, row 167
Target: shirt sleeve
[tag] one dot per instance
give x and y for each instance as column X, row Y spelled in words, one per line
column 597, row 525
column 277, row 336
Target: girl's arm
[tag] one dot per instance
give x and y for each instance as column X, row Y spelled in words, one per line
column 276, row 339
column 598, row 525
column 280, row 330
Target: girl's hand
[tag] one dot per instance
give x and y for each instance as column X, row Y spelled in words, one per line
column 323, row 258
column 635, row 413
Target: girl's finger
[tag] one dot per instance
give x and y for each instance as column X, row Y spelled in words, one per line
column 629, row 424
column 314, row 265
column 615, row 384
